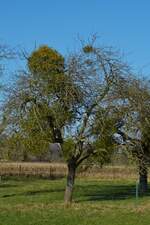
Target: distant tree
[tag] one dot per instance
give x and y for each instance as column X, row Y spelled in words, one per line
column 135, row 98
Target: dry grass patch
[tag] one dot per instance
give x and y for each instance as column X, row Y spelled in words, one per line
column 55, row 170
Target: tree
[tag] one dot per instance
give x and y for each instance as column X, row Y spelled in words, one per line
column 134, row 94
column 68, row 102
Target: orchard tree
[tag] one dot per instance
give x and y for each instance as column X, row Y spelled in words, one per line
column 134, row 95
column 67, row 101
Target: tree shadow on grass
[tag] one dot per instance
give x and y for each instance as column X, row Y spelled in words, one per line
column 107, row 192
column 35, row 192
column 24, row 178
column 8, row 185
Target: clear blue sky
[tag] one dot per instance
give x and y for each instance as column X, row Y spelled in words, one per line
column 124, row 24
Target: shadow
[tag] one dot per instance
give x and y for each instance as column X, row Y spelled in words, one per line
column 107, row 192
column 9, row 195
column 8, row 185
column 43, row 191
column 36, row 192
column 27, row 193
column 31, row 177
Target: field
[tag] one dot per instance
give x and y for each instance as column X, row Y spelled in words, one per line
column 97, row 201
column 58, row 170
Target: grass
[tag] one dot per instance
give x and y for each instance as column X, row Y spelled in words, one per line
column 96, row 202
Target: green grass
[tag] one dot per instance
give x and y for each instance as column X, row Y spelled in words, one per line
column 40, row 202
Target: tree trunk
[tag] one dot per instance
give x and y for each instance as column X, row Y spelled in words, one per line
column 70, row 182
column 143, row 178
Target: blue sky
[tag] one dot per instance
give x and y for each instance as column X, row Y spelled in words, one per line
column 123, row 24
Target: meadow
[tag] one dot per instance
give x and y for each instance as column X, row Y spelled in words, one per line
column 105, row 200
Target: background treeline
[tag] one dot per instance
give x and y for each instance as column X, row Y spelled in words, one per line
column 89, row 103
